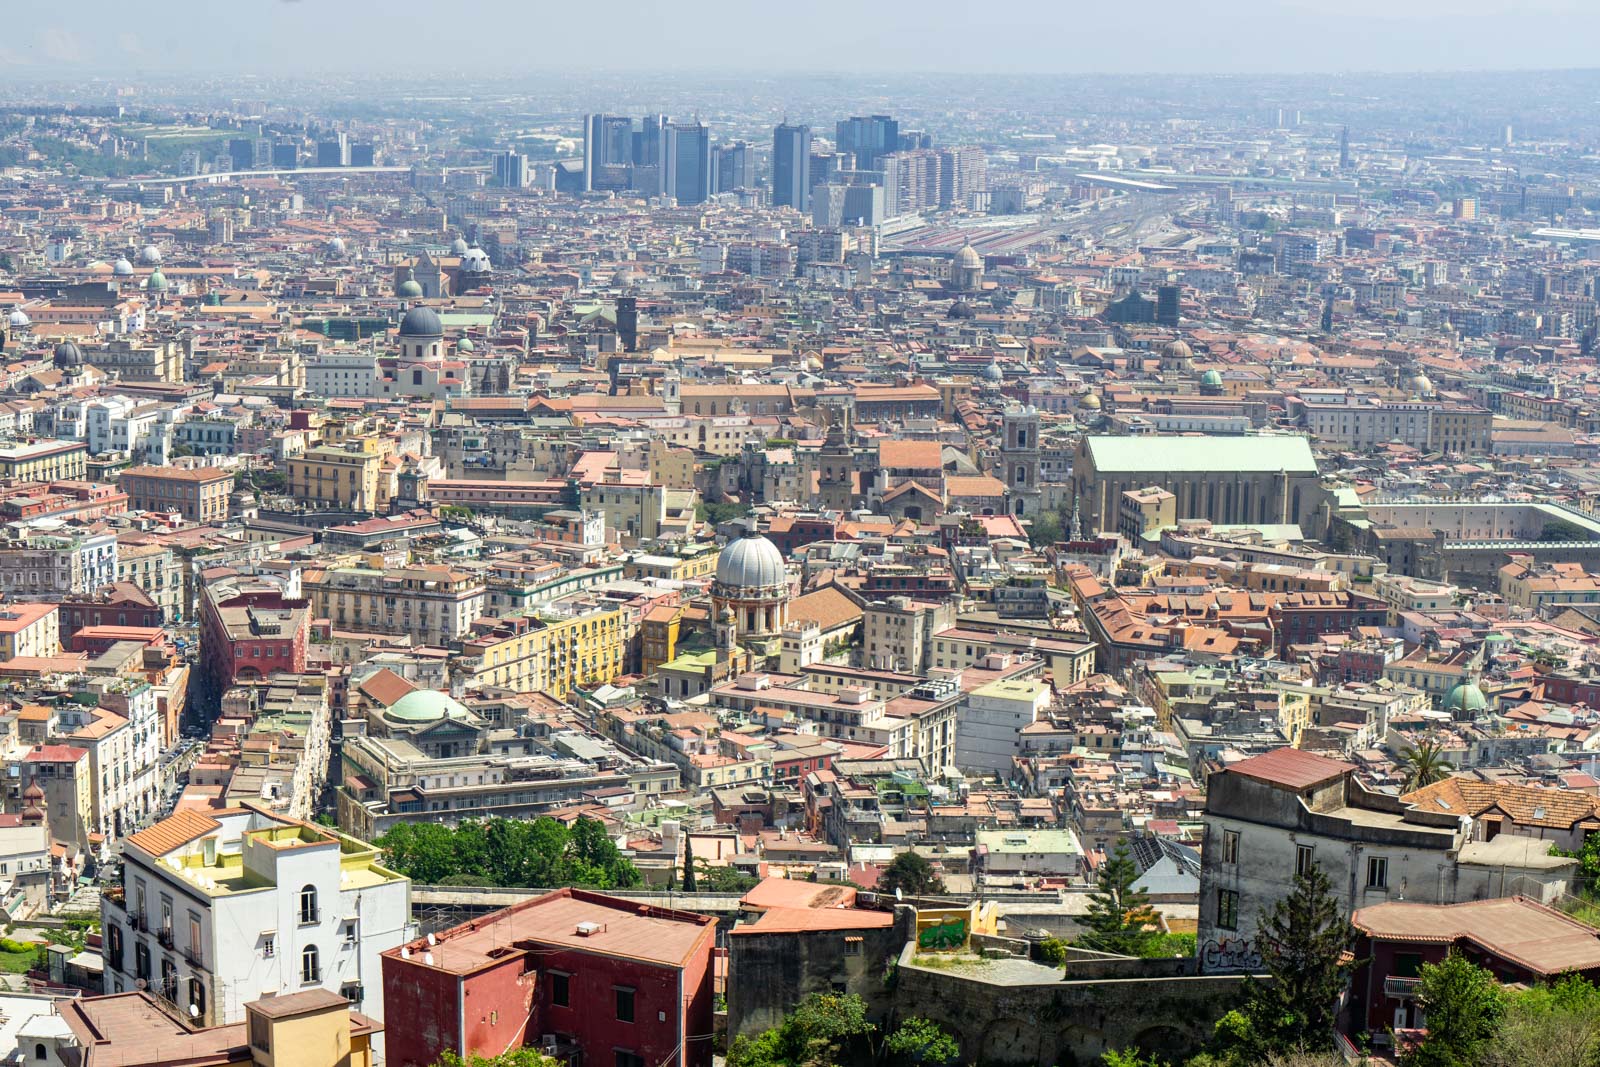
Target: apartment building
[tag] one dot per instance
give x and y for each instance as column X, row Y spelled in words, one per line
column 433, row 605
column 199, row 494
column 217, row 910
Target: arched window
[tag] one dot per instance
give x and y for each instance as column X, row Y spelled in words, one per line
column 39, row 1052
column 308, row 904
column 310, row 970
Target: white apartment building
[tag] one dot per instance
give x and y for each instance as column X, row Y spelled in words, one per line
column 342, row 374
column 990, row 722
column 124, row 743
column 218, row 910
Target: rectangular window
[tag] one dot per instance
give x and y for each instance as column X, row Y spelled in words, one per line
column 624, row 1005
column 1304, row 859
column 560, row 990
column 629, row 1059
column 1377, row 872
column 1230, row 846
column 1227, row 909
column 1407, row 964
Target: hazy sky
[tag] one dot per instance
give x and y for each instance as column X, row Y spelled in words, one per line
column 436, row 37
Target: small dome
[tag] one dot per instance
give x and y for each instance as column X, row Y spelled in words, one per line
column 150, row 255
column 961, row 310
column 33, row 792
column 751, row 562
column 459, row 246
column 19, row 317
column 426, row 705
column 336, row 246
column 122, row 268
column 67, row 356
column 157, row 282
column 1211, row 377
column 968, row 258
column 1420, row 384
column 465, row 345
column 993, row 373
column 1089, row 401
column 1466, row 697
column 421, row 322
column 475, row 261
column 410, row 289
column 1177, row 350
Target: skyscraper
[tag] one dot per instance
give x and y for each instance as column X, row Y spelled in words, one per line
column 734, row 167
column 510, row 169
column 791, row 167
column 688, row 161
column 867, row 138
column 607, row 142
column 1344, row 148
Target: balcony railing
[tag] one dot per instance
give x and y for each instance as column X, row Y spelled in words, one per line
column 1395, row 986
column 164, row 936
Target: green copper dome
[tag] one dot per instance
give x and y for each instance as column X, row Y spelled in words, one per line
column 410, row 289
column 425, row 705
column 1466, row 697
column 157, row 282
column 1211, row 377
column 465, row 345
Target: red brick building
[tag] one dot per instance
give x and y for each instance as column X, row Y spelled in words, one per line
column 118, row 604
column 249, row 630
column 616, row 983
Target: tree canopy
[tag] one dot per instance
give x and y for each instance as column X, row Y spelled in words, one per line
column 1464, row 1007
column 818, row 1032
column 510, row 852
column 1120, row 918
column 912, row 874
column 922, row 1042
column 1302, row 942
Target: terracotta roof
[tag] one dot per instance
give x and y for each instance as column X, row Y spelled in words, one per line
column 791, row 893
column 1522, row 931
column 1526, row 805
column 177, row 829
column 385, row 686
column 1291, row 768
column 827, row 607
column 801, row 920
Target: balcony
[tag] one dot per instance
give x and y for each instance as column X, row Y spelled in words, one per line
column 164, row 937
column 1401, row 988
column 192, row 955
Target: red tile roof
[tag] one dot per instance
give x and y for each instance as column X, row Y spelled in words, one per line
column 1291, row 768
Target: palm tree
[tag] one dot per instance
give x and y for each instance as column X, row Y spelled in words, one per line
column 1424, row 764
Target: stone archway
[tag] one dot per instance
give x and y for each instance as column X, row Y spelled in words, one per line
column 1165, row 1043
column 1010, row 1040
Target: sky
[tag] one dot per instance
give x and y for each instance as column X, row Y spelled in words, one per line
column 529, row 37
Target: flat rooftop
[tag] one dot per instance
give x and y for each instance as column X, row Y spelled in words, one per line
column 627, row 929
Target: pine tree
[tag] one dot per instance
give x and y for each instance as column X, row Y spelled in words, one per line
column 688, row 864
column 1303, row 943
column 1120, row 918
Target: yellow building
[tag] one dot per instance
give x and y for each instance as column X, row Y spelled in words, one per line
column 566, row 647
column 44, row 461
column 688, row 562
column 313, row 1028
column 347, row 475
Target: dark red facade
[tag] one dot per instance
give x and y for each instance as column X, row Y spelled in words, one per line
column 515, row 1000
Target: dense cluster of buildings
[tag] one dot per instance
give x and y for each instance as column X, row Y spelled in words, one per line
column 788, row 503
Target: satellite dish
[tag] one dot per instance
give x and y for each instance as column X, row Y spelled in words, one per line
column 140, row 984
column 194, row 1011
column 897, row 893
column 432, row 940
column 405, row 953
column 428, row 958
